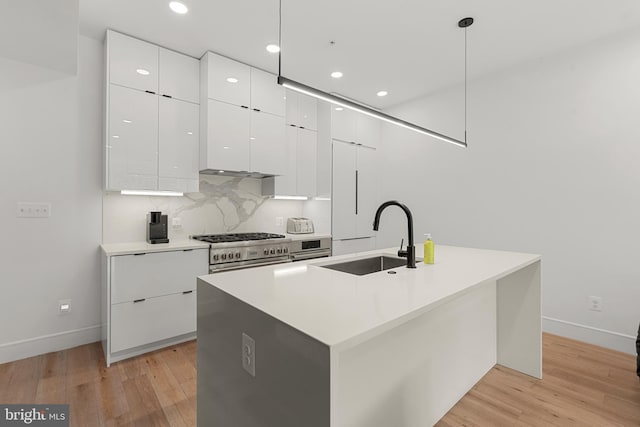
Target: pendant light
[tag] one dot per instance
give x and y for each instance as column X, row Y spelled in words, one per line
column 345, row 103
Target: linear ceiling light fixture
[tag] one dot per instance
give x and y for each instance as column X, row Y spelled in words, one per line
column 333, row 99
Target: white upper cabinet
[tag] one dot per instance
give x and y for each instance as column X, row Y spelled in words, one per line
column 368, row 131
column 178, row 145
column 227, row 80
column 306, row 162
column 242, row 118
column 344, row 124
column 302, row 110
column 151, row 137
column 132, row 140
column 266, row 95
column 351, row 126
column 268, row 144
column 179, row 76
column 132, row 62
column 226, row 144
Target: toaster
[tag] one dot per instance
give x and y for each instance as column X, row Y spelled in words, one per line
column 299, row 226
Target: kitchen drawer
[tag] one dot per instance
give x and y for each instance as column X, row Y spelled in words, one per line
column 155, row 274
column 138, row 323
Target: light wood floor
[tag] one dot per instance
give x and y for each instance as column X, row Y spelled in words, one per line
column 583, row 385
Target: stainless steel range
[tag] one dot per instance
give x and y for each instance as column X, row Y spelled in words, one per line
column 243, row 250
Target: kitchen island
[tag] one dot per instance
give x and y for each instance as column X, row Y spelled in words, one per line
column 302, row 345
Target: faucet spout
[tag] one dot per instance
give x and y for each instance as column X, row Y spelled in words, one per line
column 410, row 253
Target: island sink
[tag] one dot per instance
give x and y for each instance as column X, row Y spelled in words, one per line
column 364, row 266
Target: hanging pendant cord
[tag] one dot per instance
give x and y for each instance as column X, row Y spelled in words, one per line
column 280, row 38
column 465, row 85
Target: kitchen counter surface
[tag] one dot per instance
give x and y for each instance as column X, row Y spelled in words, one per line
column 341, row 309
column 113, row 249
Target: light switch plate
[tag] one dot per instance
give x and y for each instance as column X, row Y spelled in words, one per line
column 33, row 210
column 249, row 354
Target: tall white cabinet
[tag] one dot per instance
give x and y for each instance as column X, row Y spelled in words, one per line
column 152, row 117
column 242, row 118
column 354, row 194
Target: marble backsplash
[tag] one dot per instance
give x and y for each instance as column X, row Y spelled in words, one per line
column 223, row 205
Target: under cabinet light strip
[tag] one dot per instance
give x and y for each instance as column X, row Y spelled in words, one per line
column 290, row 198
column 151, row 193
column 324, row 96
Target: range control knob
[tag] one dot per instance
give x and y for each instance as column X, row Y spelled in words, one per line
column 286, row 250
column 216, row 257
column 224, row 256
column 272, row 251
column 266, row 251
column 238, row 255
column 279, row 250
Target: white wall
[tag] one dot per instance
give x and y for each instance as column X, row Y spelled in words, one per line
column 551, row 168
column 51, row 152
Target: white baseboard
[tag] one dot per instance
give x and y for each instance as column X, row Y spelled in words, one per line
column 603, row 338
column 29, row 347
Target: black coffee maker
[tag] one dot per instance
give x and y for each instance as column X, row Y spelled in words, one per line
column 157, row 228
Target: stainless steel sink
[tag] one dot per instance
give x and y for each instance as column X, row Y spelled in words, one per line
column 364, row 266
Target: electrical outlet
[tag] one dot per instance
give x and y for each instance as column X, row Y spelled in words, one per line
column 279, row 221
column 595, row 303
column 176, row 222
column 33, row 210
column 249, row 354
column 64, row 306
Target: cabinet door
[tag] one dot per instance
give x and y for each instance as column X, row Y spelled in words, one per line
column 132, row 140
column 343, row 198
column 268, row 144
column 306, row 162
column 178, row 145
column 229, row 80
column 151, row 320
column 132, row 62
column 343, row 124
column 285, row 185
column 308, row 112
column 369, row 131
column 291, row 105
column 136, row 277
column 266, row 94
column 179, row 76
column 227, row 137
column 367, row 191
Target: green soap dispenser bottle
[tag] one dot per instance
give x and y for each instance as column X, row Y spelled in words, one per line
column 429, row 248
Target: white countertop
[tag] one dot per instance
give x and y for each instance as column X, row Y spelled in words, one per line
column 341, row 309
column 113, row 249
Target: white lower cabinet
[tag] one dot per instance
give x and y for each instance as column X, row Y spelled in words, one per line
column 149, row 300
column 149, row 320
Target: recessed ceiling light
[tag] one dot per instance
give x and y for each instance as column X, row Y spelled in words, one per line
column 336, row 74
column 252, row 138
column 189, row 133
column 220, row 171
column 273, row 48
column 115, row 136
column 143, row 72
column 339, row 108
column 225, row 147
column 232, row 80
column 178, row 7
column 382, row 93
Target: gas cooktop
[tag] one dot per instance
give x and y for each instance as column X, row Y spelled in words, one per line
column 236, row 237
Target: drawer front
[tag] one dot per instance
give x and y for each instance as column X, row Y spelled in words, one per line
column 138, row 323
column 155, row 274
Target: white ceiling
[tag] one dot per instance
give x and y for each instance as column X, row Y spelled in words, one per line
column 407, row 47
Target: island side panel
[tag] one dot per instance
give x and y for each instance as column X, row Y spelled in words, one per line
column 291, row 383
column 412, row 375
column 520, row 320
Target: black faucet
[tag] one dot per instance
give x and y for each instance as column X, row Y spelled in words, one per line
column 410, row 253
